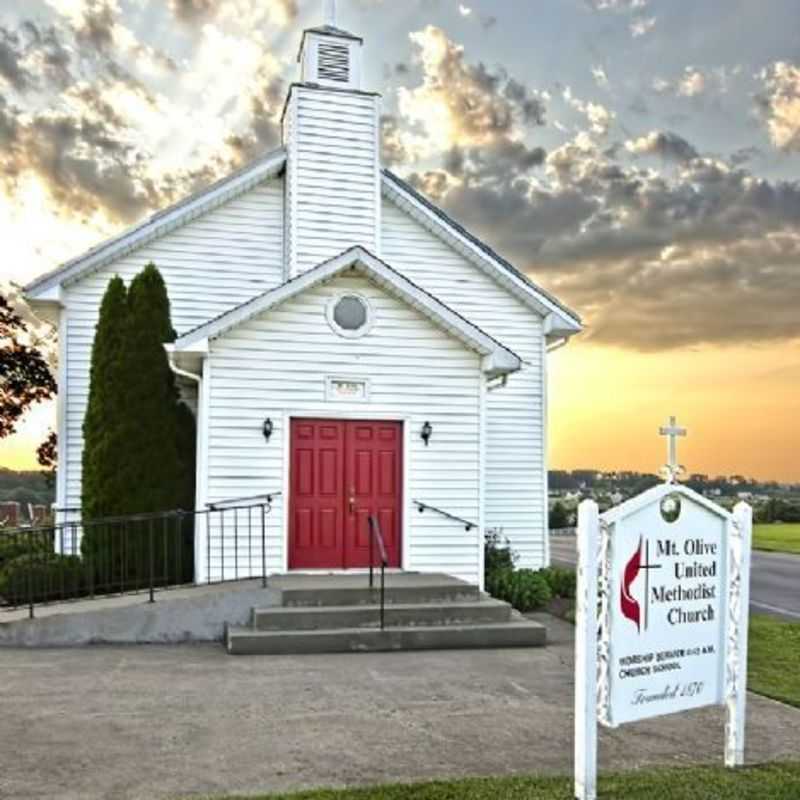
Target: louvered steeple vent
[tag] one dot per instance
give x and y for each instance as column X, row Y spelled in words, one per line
column 330, row 56
column 331, row 135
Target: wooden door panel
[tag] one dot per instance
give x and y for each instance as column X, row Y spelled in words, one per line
column 374, row 482
column 316, row 480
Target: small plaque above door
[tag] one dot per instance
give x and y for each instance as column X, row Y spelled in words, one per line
column 347, row 390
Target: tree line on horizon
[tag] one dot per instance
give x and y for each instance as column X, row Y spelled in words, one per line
column 635, row 482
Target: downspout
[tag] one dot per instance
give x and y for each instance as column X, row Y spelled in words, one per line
column 182, row 372
column 200, row 457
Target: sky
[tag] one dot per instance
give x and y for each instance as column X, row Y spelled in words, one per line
column 639, row 158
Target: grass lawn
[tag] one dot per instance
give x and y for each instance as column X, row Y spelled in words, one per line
column 769, row 782
column 773, row 659
column 781, row 538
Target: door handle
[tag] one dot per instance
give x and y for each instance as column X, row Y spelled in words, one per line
column 352, row 504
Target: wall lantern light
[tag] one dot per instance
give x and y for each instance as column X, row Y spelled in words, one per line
column 268, row 429
column 427, row 432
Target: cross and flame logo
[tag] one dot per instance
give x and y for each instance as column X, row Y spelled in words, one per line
column 631, row 608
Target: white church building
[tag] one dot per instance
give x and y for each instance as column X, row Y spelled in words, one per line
column 347, row 347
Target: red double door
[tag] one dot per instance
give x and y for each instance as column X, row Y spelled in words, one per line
column 342, row 472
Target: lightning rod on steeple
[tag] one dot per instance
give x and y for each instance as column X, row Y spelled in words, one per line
column 330, row 12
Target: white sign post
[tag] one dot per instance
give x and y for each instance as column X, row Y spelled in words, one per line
column 661, row 614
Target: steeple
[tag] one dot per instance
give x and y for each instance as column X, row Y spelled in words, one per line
column 331, row 135
column 330, row 56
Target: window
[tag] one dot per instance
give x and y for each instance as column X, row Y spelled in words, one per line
column 349, row 315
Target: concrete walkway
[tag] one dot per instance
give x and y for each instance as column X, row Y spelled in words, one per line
column 157, row 722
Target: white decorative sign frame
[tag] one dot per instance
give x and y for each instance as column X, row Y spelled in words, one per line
column 595, row 609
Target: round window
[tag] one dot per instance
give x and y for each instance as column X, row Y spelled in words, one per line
column 349, row 315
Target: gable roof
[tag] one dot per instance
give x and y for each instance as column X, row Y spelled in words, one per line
column 497, row 359
column 563, row 321
column 160, row 223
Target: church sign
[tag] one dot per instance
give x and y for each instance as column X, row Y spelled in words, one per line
column 669, row 633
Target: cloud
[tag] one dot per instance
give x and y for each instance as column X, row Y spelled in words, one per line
column 393, row 151
column 95, row 147
column 11, row 55
column 598, row 116
column 79, row 155
column 693, row 83
column 697, row 83
column 779, row 104
column 265, row 97
column 617, row 5
column 600, row 77
column 192, row 11
column 654, row 260
column 32, row 55
column 462, row 104
column 640, row 26
column 97, row 23
column 247, row 14
column 664, row 144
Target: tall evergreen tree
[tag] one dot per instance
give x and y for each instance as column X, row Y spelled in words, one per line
column 106, row 426
column 152, row 396
column 139, row 454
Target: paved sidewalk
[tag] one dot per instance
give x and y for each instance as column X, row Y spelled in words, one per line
column 158, row 722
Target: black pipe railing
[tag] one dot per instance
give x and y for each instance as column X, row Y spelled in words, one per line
column 84, row 559
column 256, row 498
column 375, row 536
column 423, row 507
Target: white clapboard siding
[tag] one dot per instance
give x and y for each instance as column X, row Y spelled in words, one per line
column 277, row 364
column 211, row 264
column 333, row 185
column 515, row 459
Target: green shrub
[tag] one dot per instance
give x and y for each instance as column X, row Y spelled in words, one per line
column 524, row 589
column 42, row 577
column 498, row 555
column 562, row 582
column 13, row 545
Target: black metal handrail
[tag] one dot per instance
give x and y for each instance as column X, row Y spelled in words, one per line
column 423, row 507
column 117, row 555
column 375, row 535
column 268, row 498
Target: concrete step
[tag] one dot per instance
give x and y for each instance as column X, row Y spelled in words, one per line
column 518, row 633
column 307, row 618
column 362, row 595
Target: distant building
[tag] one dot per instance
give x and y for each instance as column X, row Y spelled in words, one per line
column 9, row 514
